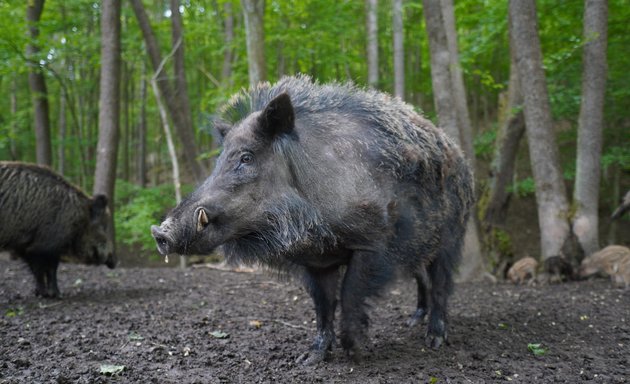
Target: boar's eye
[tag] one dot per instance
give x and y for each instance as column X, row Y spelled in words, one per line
column 247, row 158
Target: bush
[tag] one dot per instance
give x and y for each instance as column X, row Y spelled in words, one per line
column 137, row 209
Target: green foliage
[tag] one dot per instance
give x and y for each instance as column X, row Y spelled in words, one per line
column 616, row 156
column 523, row 188
column 484, row 144
column 137, row 209
column 537, row 349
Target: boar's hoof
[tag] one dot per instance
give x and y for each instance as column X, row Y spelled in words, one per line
column 435, row 341
column 311, row 357
column 417, row 317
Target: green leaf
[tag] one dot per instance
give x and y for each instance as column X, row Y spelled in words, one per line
column 111, row 370
column 219, row 334
column 503, row 326
column 13, row 312
column 133, row 336
column 537, row 349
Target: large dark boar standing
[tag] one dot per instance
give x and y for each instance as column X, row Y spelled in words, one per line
column 42, row 217
column 314, row 177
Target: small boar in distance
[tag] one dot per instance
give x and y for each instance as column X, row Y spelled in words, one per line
column 611, row 261
column 524, row 270
column 313, row 178
column 42, row 217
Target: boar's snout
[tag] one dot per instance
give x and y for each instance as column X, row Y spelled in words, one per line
column 162, row 239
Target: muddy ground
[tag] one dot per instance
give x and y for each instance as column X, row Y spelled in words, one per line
column 201, row 325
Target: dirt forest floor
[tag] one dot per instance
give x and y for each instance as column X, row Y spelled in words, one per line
column 202, row 325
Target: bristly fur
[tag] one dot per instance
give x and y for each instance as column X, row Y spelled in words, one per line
column 291, row 227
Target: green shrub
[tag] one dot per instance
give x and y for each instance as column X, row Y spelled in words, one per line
column 138, row 208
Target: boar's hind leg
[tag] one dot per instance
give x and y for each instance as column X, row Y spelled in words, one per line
column 367, row 273
column 441, row 274
column 424, row 287
column 322, row 286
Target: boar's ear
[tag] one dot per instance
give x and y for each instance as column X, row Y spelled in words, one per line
column 278, row 117
column 98, row 205
column 221, row 128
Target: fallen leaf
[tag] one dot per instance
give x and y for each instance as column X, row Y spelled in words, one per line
column 219, row 334
column 537, row 349
column 255, row 323
column 110, row 369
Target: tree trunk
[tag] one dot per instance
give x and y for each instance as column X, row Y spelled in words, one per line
column 37, row 84
column 61, row 149
column 371, row 27
column 13, row 128
column 459, row 90
column 142, row 130
column 589, row 148
column 182, row 123
column 399, row 51
column 511, row 129
column 440, row 69
column 109, row 101
column 254, row 10
column 444, row 95
column 551, row 198
column 181, row 89
column 228, row 54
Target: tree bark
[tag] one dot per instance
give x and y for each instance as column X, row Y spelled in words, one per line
column 37, row 84
column 61, row 149
column 511, row 129
column 254, row 11
column 440, row 69
column 551, row 198
column 228, row 54
column 13, row 128
column 444, row 95
column 109, row 101
column 371, row 27
column 142, row 131
column 399, row 50
column 182, row 124
column 457, row 78
column 591, row 120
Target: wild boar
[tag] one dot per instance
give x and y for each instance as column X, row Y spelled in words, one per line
column 42, row 217
column 524, row 270
column 315, row 177
column 603, row 261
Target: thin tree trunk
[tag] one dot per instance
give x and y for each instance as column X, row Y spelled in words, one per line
column 109, row 106
column 443, row 92
column 551, row 197
column 37, row 84
column 142, row 130
column 109, row 101
column 182, row 124
column 228, row 54
column 13, row 128
column 440, row 69
column 61, row 149
column 511, row 129
column 371, row 7
column 589, row 149
column 457, row 78
column 253, row 11
column 399, row 50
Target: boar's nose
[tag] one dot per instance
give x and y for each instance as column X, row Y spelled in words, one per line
column 161, row 239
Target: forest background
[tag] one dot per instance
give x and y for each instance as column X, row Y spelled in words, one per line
column 81, row 81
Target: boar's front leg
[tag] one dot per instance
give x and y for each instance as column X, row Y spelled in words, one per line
column 321, row 284
column 368, row 271
column 44, row 268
